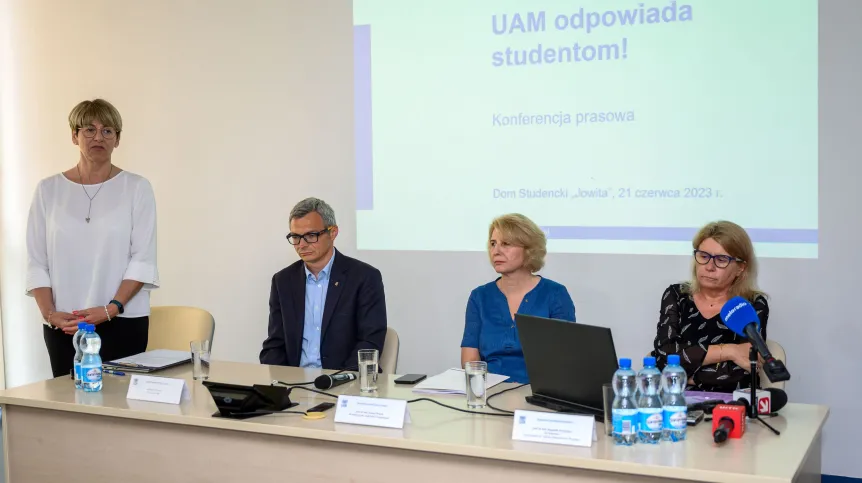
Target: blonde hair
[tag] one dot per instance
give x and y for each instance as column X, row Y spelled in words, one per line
column 736, row 242
column 86, row 112
column 520, row 231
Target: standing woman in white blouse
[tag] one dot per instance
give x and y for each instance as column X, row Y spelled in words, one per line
column 91, row 245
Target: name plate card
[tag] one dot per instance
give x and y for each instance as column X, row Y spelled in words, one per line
column 158, row 389
column 372, row 411
column 554, row 428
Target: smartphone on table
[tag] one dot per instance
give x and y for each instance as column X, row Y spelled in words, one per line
column 410, row 379
column 321, row 407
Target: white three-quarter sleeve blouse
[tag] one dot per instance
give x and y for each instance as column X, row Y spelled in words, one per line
column 84, row 263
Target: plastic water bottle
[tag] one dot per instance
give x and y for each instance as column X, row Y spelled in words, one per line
column 91, row 364
column 649, row 404
column 673, row 381
column 625, row 409
column 79, row 352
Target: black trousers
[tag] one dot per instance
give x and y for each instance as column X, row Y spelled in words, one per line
column 121, row 337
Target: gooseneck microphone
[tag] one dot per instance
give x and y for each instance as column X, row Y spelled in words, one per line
column 328, row 382
column 740, row 317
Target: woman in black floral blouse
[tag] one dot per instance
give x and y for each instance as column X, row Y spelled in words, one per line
column 724, row 266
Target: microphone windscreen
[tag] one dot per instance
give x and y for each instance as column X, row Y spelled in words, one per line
column 738, row 313
column 725, row 426
column 779, row 398
column 323, row 382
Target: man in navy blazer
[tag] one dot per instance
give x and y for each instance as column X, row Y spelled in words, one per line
column 326, row 306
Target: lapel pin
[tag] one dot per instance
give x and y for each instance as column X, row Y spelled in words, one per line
column 336, row 284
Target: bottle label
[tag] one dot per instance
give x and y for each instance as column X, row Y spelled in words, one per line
column 92, row 374
column 651, row 420
column 675, row 417
column 625, row 421
column 77, row 371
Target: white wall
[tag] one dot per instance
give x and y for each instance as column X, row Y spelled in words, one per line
column 233, row 111
column 236, row 110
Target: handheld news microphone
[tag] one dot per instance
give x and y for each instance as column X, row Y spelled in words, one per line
column 728, row 421
column 328, row 382
column 740, row 317
column 769, row 400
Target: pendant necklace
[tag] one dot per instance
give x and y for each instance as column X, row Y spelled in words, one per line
column 91, row 198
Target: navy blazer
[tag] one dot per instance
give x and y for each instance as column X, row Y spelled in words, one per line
column 354, row 315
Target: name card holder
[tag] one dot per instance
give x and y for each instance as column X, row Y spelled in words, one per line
column 554, row 428
column 158, row 389
column 372, row 411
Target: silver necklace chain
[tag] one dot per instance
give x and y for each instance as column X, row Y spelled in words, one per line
column 91, row 198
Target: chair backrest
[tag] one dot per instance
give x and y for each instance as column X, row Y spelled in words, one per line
column 778, row 353
column 174, row 327
column 389, row 357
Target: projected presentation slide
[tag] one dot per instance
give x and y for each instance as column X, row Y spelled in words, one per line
column 617, row 126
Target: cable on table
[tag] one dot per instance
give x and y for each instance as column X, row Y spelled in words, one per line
column 296, row 384
column 500, row 412
column 492, row 396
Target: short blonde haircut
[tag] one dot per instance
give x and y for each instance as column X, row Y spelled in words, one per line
column 87, row 112
column 736, row 242
column 518, row 230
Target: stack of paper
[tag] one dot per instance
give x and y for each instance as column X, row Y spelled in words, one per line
column 453, row 381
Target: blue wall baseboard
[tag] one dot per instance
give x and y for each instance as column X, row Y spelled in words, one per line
column 839, row 479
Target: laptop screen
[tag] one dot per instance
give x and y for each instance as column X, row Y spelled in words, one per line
column 567, row 361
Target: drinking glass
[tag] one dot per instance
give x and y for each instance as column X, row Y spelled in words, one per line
column 200, row 359
column 476, row 373
column 368, row 370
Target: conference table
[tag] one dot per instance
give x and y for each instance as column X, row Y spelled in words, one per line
column 52, row 432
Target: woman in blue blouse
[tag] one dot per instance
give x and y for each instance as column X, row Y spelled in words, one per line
column 517, row 248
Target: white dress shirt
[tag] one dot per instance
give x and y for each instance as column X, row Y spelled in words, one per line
column 84, row 263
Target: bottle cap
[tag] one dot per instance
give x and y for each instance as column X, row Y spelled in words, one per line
column 649, row 361
column 673, row 359
column 82, row 326
column 91, row 327
column 625, row 363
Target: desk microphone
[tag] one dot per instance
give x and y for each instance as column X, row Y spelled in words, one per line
column 328, row 382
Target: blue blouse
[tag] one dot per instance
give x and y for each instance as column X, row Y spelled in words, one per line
column 491, row 329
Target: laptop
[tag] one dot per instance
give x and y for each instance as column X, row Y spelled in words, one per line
column 567, row 363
